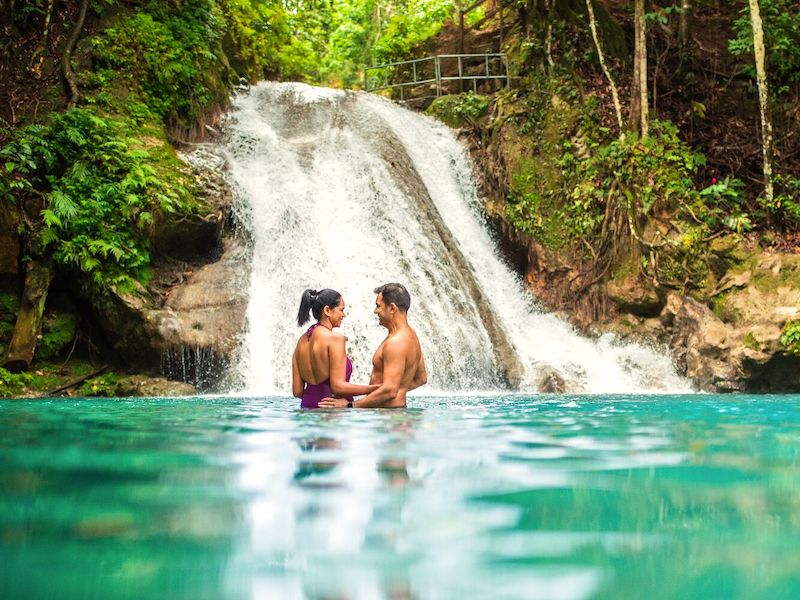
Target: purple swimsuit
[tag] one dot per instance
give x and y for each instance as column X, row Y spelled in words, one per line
column 314, row 392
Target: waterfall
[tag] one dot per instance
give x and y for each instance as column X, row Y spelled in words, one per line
column 347, row 190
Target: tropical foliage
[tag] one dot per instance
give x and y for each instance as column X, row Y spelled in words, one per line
column 782, row 32
column 89, row 188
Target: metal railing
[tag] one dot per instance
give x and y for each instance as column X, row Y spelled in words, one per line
column 487, row 66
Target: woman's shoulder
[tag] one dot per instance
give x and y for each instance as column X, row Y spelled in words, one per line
column 299, row 343
column 332, row 337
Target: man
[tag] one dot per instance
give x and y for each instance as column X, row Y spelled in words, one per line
column 398, row 365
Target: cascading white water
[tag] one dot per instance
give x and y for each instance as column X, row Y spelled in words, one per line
column 347, row 190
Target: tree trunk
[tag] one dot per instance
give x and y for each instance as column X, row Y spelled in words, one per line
column 37, row 59
column 639, row 117
column 763, row 98
column 502, row 30
column 548, row 40
column 685, row 25
column 66, row 58
column 38, row 276
column 601, row 57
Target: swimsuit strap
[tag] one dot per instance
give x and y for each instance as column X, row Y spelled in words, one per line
column 311, row 330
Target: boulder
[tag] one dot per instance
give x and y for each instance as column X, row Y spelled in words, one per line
column 141, row 385
column 740, row 351
column 635, row 296
column 701, row 345
column 550, row 381
column 196, row 332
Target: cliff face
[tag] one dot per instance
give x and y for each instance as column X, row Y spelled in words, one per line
column 729, row 332
column 188, row 322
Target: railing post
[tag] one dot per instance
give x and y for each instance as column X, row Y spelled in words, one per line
column 461, row 32
column 439, row 78
column 438, row 70
column 500, row 47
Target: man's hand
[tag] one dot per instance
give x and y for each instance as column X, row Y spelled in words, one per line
column 333, row 403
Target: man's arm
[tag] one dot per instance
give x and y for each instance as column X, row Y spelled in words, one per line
column 394, row 363
column 421, row 376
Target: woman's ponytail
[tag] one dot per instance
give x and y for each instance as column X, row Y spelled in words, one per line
column 306, row 301
column 315, row 301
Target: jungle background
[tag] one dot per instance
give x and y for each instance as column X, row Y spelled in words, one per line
column 633, row 167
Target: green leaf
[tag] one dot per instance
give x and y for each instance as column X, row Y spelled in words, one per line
column 51, row 219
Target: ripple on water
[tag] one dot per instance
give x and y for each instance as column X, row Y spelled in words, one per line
column 481, row 497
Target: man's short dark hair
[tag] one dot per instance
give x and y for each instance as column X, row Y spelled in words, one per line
column 395, row 293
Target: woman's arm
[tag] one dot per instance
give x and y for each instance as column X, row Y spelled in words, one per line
column 337, row 371
column 298, row 385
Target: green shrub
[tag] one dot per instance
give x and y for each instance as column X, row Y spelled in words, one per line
column 170, row 55
column 457, row 109
column 58, row 331
column 12, row 384
column 100, row 187
column 104, row 385
column 790, row 337
column 787, row 200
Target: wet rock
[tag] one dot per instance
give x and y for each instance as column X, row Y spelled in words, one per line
column 208, row 310
column 701, row 345
column 204, row 314
column 141, row 385
column 550, row 381
column 196, row 237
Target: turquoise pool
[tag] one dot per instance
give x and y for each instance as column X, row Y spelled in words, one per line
column 455, row 497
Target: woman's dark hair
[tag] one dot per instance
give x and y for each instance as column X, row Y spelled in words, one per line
column 315, row 301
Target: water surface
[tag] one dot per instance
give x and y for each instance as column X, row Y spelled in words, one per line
column 454, row 497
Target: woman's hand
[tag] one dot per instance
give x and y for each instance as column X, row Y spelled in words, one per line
column 333, row 403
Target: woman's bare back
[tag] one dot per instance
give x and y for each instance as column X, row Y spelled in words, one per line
column 312, row 353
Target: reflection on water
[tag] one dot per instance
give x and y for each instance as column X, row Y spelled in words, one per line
column 492, row 497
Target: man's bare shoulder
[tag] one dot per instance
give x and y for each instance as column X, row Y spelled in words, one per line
column 402, row 340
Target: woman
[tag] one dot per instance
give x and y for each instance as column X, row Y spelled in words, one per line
column 320, row 367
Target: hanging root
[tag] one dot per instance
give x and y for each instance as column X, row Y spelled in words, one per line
column 66, row 57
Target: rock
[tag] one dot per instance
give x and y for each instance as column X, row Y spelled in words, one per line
column 141, row 385
column 195, row 334
column 196, row 237
column 745, row 354
column 701, row 344
column 779, row 373
column 550, row 381
column 634, row 296
column 729, row 281
column 209, row 309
